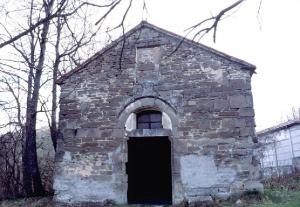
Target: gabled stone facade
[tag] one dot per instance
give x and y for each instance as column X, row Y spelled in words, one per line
column 207, row 114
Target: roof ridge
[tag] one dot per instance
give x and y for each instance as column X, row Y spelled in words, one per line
column 144, row 23
column 205, row 47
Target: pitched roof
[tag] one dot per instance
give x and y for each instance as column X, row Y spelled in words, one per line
column 244, row 64
column 278, row 127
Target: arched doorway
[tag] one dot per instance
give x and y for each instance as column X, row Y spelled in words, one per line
column 149, row 163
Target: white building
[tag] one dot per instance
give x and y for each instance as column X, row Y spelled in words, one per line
column 280, row 148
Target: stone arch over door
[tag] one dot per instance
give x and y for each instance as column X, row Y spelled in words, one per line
column 150, row 103
column 145, row 103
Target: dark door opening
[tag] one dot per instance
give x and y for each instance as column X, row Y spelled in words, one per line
column 149, row 171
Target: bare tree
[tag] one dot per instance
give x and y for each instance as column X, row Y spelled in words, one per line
column 10, row 165
column 31, row 174
column 39, row 55
column 11, row 142
column 64, row 9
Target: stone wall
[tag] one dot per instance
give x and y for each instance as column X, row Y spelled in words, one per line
column 207, row 97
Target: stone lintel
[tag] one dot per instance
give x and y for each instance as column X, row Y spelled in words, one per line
column 150, row 133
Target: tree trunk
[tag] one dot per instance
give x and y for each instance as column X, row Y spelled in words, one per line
column 53, row 126
column 32, row 178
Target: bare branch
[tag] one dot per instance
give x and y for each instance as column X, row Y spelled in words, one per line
column 56, row 14
column 115, row 3
column 215, row 21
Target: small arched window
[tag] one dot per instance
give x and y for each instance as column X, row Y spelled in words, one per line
column 149, row 120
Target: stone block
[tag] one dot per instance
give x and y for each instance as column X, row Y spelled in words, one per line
column 247, row 131
column 89, row 132
column 239, row 101
column 254, row 185
column 89, row 145
column 222, row 195
column 228, row 114
column 247, row 112
column 239, row 84
column 228, row 123
column 220, row 104
column 200, row 201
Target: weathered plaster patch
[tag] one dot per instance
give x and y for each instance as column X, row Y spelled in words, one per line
column 201, row 172
column 81, row 190
column 214, row 74
column 238, row 74
column 151, row 55
column 166, row 121
column 83, row 165
column 81, row 170
column 67, row 156
column 130, row 123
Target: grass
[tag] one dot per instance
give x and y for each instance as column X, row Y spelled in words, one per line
column 280, row 198
column 271, row 198
column 27, row 202
column 281, row 192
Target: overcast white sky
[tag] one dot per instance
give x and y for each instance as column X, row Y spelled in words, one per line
column 273, row 48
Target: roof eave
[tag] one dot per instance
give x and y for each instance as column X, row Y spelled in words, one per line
column 278, row 127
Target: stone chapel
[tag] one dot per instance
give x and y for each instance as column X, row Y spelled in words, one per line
column 154, row 118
